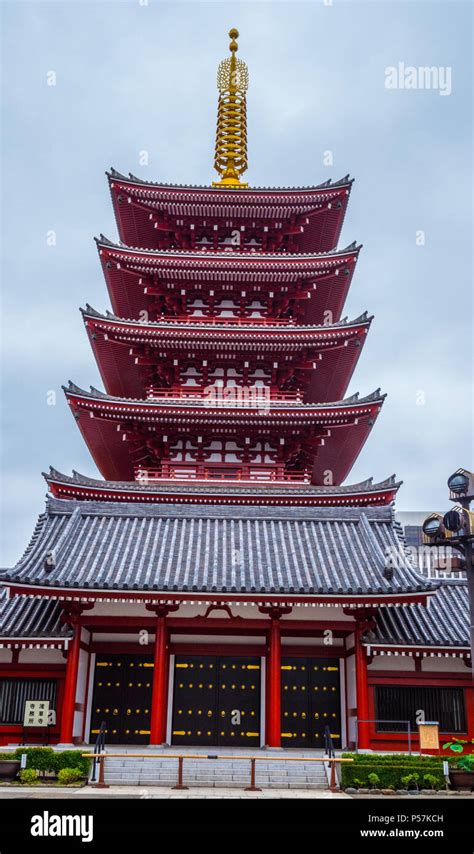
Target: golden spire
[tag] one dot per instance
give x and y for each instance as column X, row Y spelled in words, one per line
column 231, row 138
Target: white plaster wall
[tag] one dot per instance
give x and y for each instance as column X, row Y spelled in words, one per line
column 109, row 609
column 241, row 609
column 81, row 685
column 124, row 637
column 41, row 656
column 337, row 643
column 5, row 656
column 90, row 692
column 351, row 696
column 392, row 662
column 218, row 639
column 444, row 665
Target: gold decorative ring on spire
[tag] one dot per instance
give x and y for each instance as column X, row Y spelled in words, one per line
column 231, row 138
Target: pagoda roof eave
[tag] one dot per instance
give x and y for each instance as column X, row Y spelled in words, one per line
column 83, row 487
column 351, row 402
column 231, row 255
column 114, row 175
column 226, row 327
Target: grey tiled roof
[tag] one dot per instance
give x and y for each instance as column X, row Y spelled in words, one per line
column 166, row 547
column 24, row 617
column 444, row 622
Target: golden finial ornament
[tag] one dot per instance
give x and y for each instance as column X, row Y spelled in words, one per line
column 231, row 138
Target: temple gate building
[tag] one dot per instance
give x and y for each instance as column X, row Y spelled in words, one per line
column 222, row 584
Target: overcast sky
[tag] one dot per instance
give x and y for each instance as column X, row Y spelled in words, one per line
column 134, row 77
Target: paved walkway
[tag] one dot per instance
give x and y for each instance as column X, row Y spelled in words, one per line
column 142, row 792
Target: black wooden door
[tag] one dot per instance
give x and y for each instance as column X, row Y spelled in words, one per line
column 195, row 700
column 310, row 700
column 238, row 702
column 325, row 700
column 295, row 703
column 122, row 698
column 216, row 701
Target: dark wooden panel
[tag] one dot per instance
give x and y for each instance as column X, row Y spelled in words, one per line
column 310, row 690
column 325, row 700
column 122, row 698
column 195, row 700
column 295, row 702
column 216, row 701
column 238, row 702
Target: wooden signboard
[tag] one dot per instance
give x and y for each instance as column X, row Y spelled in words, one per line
column 429, row 735
column 36, row 713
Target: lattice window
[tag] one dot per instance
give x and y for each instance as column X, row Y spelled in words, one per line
column 399, row 703
column 15, row 692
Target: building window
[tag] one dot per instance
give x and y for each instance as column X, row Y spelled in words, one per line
column 15, row 692
column 397, row 703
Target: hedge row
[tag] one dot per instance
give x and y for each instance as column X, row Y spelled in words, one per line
column 390, row 769
column 398, row 758
column 45, row 759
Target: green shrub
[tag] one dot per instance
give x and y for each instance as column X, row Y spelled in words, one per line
column 373, row 779
column 410, row 781
column 72, row 759
column 46, row 759
column 29, row 777
column 68, row 775
column 430, row 781
column 39, row 758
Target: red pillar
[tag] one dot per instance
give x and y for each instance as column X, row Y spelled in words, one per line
column 274, row 694
column 362, row 689
column 72, row 668
column 159, row 692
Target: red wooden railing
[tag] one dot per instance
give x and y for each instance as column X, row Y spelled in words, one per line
column 238, row 395
column 216, row 321
column 250, row 472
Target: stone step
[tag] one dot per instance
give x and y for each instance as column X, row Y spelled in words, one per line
column 274, row 773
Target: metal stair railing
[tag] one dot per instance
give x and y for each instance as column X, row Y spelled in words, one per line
column 99, row 749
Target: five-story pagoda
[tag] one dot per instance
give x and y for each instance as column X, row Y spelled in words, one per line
column 217, row 587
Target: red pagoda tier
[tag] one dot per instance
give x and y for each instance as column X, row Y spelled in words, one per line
column 142, row 359
column 230, row 437
column 255, row 285
column 169, row 216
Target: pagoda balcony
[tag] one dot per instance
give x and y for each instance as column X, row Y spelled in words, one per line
column 235, row 320
column 238, row 472
column 230, row 395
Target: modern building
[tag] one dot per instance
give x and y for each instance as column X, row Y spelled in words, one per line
column 222, row 585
